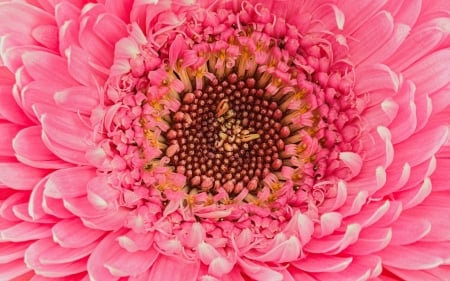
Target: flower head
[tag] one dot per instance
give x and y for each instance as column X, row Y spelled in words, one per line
column 224, row 140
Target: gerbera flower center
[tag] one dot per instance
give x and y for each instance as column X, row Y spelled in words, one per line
column 229, row 134
column 230, row 109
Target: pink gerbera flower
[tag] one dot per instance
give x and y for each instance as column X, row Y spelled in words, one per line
column 224, row 140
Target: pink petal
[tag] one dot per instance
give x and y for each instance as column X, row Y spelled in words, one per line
column 415, row 195
column 410, row 51
column 63, row 152
column 370, row 214
column 124, row 263
column 371, row 240
column 9, row 108
column 19, row 176
column 33, row 255
column 68, row 183
column 371, row 36
column 46, row 66
column 30, row 150
column 415, row 275
column 63, row 233
column 101, row 194
column 55, row 208
column 329, row 222
column 8, row 131
column 285, row 251
column 322, row 263
column 46, row 35
column 25, row 231
column 100, row 51
column 428, row 73
column 301, row 225
column 407, row 230
column 405, row 257
column 391, row 46
column 177, row 268
column 415, row 151
column 7, row 205
column 357, row 13
column 334, row 243
column 77, row 99
column 65, row 11
column 80, row 69
column 104, row 250
column 408, row 12
column 353, row 161
column 433, row 214
column 258, row 271
column 12, row 251
column 405, row 122
column 110, row 222
column 111, row 28
column 9, row 271
column 29, row 15
column 55, row 254
column 78, row 137
column 372, row 77
column 362, row 268
column 82, row 207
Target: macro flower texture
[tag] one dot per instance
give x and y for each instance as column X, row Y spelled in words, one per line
column 225, row 140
